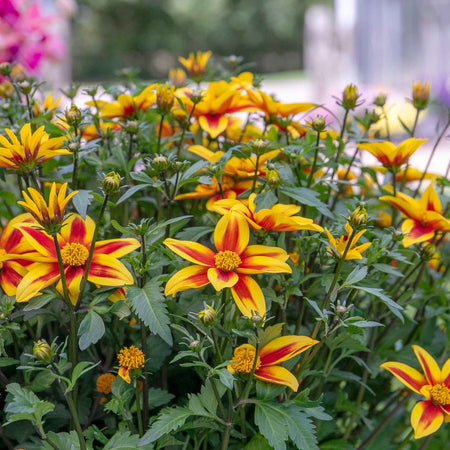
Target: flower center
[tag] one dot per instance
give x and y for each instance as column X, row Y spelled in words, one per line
column 131, row 358
column 227, row 260
column 243, row 359
column 440, row 394
column 74, row 254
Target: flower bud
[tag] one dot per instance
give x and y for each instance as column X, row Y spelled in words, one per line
column 42, row 351
column 358, row 217
column 165, row 98
column 73, row 115
column 421, row 94
column 259, row 146
column 25, row 87
column 195, row 345
column 350, row 97
column 428, row 251
column 132, row 126
column 318, row 124
column 111, row 183
column 6, row 90
column 207, row 316
column 73, row 146
column 341, row 309
column 5, row 69
column 256, row 319
column 196, row 97
column 160, row 162
column 273, row 178
column 380, row 100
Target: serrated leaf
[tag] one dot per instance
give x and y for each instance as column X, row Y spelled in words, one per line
column 39, row 301
column 122, row 440
column 272, row 425
column 63, row 441
column 149, row 305
column 81, row 201
column 170, row 419
column 158, row 397
column 91, row 330
column 301, row 429
column 269, row 333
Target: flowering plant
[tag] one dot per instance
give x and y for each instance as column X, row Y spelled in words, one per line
column 175, row 275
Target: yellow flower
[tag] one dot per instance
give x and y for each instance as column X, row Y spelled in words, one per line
column 338, row 245
column 50, row 216
column 177, row 77
column 195, row 64
column 421, row 94
column 104, row 382
column 165, row 98
column 47, row 105
column 130, row 358
column 31, row 150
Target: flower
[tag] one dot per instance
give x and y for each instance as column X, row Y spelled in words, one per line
column 338, row 245
column 33, row 149
column 391, row 156
column 427, row 415
column 424, row 217
column 47, row 106
column 91, row 132
column 268, row 358
column 104, row 382
column 350, row 97
column 421, row 94
column 165, row 98
column 74, row 243
column 195, row 64
column 276, row 218
column 50, row 216
column 130, row 358
column 230, row 266
column 13, row 254
column 177, row 77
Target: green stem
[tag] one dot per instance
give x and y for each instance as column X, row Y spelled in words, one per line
column 413, row 131
column 75, row 419
column 91, row 252
column 388, row 131
column 341, row 135
column 180, row 144
column 145, row 405
column 75, row 170
column 138, row 408
column 130, row 146
column 406, row 440
column 313, row 168
column 160, row 133
column 255, row 176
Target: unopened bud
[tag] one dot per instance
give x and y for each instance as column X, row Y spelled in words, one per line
column 5, row 69
column 25, row 87
column 195, row 345
column 341, row 309
column 73, row 115
column 421, row 94
column 256, row 319
column 358, row 217
column 165, row 98
column 161, row 162
column 42, row 351
column 6, row 90
column 350, row 97
column 132, row 126
column 73, row 146
column 318, row 124
column 111, row 183
column 207, row 316
column 259, row 146
column 273, row 178
column 429, row 251
column 196, row 97
column 380, row 100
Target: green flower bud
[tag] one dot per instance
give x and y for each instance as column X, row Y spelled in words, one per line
column 273, row 178
column 111, row 183
column 318, row 124
column 380, row 100
column 195, row 345
column 358, row 217
column 207, row 316
column 73, row 115
column 421, row 94
column 42, row 351
column 25, row 87
column 5, row 69
column 350, row 97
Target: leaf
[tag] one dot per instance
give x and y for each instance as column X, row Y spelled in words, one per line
column 193, row 233
column 357, row 274
column 149, row 305
column 307, row 197
column 158, row 397
column 81, row 201
column 265, row 200
column 395, row 308
column 226, row 378
column 39, row 302
column 80, row 369
column 258, row 442
column 335, row 444
column 131, row 192
column 170, row 419
column 301, row 429
column 387, row 268
column 5, row 362
column 63, row 441
column 122, row 440
column 91, row 329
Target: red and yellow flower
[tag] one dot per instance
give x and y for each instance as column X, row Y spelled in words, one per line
column 276, row 218
column 195, row 64
column 31, row 150
column 74, row 241
column 230, row 266
column 269, row 356
column 429, row 414
column 423, row 217
column 339, row 245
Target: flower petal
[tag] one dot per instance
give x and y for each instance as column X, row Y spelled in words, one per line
column 73, row 280
column 263, row 264
column 40, row 276
column 248, row 297
column 430, row 201
column 39, row 240
column 445, row 373
column 124, row 373
column 416, row 232
column 410, row 377
column 284, row 348
column 232, row 233
column 106, row 270
column 277, row 375
column 117, row 247
column 187, row 278
column 220, row 279
column 191, row 251
column 77, row 230
column 426, row 418
column 429, row 365
column 213, row 124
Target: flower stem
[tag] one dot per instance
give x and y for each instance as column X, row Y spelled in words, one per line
column 255, row 176
column 313, row 168
column 180, row 143
column 160, row 133
column 138, row 408
column 388, row 131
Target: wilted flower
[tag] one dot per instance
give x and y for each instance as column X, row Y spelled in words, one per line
column 104, row 383
column 130, row 358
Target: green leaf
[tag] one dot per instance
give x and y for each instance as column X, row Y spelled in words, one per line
column 149, row 305
column 5, row 362
column 395, row 308
column 357, row 274
column 158, row 397
column 226, row 378
column 301, row 429
column 387, row 268
column 63, row 441
column 258, row 442
column 81, row 201
column 131, row 192
column 91, row 330
column 39, row 301
column 337, row 444
column 122, row 440
column 170, row 419
column 265, row 200
column 307, row 197
column 80, row 369
column 272, row 425
column 269, row 334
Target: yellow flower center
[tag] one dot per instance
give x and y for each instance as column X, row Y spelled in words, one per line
column 2, row 252
column 440, row 394
column 104, row 382
column 74, row 254
column 131, row 358
column 243, row 359
column 227, row 260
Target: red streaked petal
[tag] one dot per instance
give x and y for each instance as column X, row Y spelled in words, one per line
column 407, row 205
column 192, row 251
column 106, row 270
column 445, row 373
column 284, row 348
column 263, row 264
column 39, row 240
column 117, row 247
column 430, row 200
column 220, row 279
column 248, row 297
column 77, row 230
column 40, row 276
column 213, row 124
column 10, row 276
column 73, row 280
column 188, row 278
column 232, row 233
column 277, row 375
column 124, row 373
column 415, row 232
column 410, row 377
column 426, row 418
column 429, row 365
